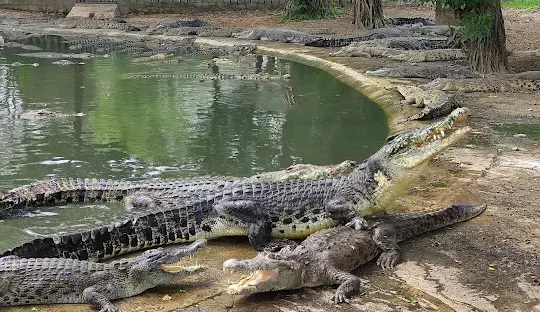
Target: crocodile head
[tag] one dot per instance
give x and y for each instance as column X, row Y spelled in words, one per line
column 267, row 272
column 409, row 149
column 159, row 266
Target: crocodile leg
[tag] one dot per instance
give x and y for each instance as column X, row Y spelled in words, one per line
column 98, row 300
column 340, row 209
column 349, row 285
column 385, row 237
column 140, row 201
column 258, row 222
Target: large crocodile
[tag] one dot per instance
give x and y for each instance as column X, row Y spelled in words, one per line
column 435, row 103
column 425, row 70
column 62, row 191
column 260, row 210
column 57, row 280
column 327, row 257
column 484, row 85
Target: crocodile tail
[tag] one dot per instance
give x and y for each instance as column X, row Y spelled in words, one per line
column 411, row 224
column 138, row 233
column 60, row 191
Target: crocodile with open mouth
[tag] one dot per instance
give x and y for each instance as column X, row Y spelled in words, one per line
column 268, row 212
column 57, row 280
column 328, row 256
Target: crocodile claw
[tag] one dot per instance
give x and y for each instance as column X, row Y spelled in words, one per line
column 109, row 308
column 339, row 297
column 278, row 244
column 358, row 223
column 388, row 259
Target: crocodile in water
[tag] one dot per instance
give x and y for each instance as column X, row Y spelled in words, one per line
column 57, row 280
column 327, row 257
column 259, row 210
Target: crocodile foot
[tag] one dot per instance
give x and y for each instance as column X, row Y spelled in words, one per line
column 357, row 223
column 278, row 244
column 388, row 259
column 340, row 297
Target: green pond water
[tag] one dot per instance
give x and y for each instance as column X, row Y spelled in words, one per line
column 169, row 127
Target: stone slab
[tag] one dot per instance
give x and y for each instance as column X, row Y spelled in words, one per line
column 95, row 10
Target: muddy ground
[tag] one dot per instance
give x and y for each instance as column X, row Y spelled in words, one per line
column 491, row 263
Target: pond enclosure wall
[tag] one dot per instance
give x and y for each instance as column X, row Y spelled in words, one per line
column 145, row 6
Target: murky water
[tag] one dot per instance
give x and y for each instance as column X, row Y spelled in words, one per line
column 168, row 126
column 532, row 131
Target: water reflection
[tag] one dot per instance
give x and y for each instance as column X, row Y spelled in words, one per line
column 174, row 126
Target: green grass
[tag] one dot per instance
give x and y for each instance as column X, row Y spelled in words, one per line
column 521, row 4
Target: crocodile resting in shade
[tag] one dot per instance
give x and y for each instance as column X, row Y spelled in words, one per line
column 57, row 280
column 328, row 256
column 268, row 212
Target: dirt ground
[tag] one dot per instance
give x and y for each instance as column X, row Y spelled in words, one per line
column 491, row 263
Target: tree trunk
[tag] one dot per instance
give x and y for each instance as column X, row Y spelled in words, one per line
column 368, row 14
column 445, row 14
column 487, row 54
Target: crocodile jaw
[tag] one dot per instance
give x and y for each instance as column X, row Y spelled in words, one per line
column 265, row 275
column 411, row 148
column 248, row 285
column 176, row 268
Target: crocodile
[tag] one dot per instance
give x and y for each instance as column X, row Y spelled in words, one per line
column 162, row 27
column 61, row 191
column 361, row 49
column 269, row 213
column 425, row 70
column 63, row 62
column 328, row 256
column 27, row 47
column 409, row 20
column 58, row 280
column 484, row 85
column 435, row 103
column 44, row 114
column 94, row 23
column 55, row 55
column 211, row 76
column 285, row 35
column 409, row 43
column 381, row 33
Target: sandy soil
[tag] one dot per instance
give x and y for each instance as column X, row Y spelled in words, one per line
column 491, row 263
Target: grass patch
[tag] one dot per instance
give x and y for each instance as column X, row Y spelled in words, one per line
column 521, row 4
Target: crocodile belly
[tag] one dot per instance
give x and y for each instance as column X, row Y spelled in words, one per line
column 298, row 228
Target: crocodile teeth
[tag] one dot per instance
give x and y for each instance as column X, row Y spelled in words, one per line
column 442, row 133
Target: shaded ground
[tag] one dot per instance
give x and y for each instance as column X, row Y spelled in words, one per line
column 491, row 263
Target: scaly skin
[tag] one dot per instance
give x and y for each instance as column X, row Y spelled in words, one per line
column 425, row 70
column 45, row 280
column 62, row 191
column 484, row 85
column 261, row 210
column 327, row 257
column 435, row 102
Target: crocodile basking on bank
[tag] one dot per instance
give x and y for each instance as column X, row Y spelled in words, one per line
column 94, row 23
column 57, row 280
column 364, row 49
column 425, row 70
column 260, row 210
column 484, row 85
column 328, row 256
column 435, row 103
